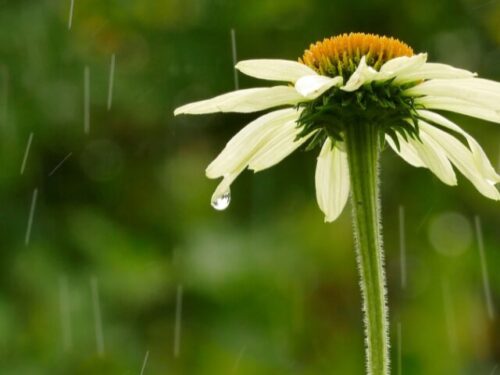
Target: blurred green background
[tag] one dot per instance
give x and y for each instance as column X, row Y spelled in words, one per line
column 123, row 235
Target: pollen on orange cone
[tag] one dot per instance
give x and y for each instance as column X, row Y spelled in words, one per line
column 341, row 54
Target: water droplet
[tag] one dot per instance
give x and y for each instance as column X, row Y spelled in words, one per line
column 221, row 202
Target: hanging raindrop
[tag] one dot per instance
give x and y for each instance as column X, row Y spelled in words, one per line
column 221, row 202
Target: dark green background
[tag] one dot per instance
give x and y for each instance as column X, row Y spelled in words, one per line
column 268, row 288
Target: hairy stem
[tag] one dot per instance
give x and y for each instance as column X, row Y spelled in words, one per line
column 362, row 142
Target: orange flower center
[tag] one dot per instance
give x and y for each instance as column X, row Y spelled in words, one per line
column 340, row 55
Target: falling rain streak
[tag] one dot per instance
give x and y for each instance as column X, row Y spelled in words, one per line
column 400, row 349
column 30, row 219
column 60, row 163
column 111, row 81
column 484, row 269
column 65, row 309
column 144, row 362
column 26, row 153
column 238, row 359
column 498, row 158
column 4, row 95
column 449, row 316
column 178, row 321
column 94, row 286
column 86, row 100
column 235, row 59
column 402, row 246
column 70, row 18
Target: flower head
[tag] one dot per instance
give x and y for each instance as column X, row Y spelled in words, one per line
column 353, row 80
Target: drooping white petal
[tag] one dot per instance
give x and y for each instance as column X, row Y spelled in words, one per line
column 277, row 146
column 362, row 75
column 332, row 181
column 469, row 90
column 313, row 86
column 432, row 71
column 401, row 65
column 459, row 106
column 434, row 158
column 244, row 101
column 462, row 158
column 244, row 145
column 275, row 70
column 480, row 159
column 406, row 151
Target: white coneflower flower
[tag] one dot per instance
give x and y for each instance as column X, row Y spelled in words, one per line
column 348, row 95
column 350, row 80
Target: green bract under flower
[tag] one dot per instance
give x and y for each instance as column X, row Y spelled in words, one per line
column 382, row 104
column 356, row 80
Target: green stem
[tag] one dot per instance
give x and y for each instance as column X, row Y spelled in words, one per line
column 362, row 142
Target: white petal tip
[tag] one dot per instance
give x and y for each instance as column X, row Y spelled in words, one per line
column 184, row 110
column 450, row 180
column 312, row 86
column 329, row 220
column 212, row 173
column 493, row 195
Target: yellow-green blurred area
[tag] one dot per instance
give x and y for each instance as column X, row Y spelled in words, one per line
column 123, row 237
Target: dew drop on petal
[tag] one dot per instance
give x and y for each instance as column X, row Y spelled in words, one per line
column 221, row 202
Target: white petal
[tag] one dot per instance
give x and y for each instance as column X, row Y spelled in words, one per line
column 313, row 86
column 275, row 70
column 243, row 146
column 278, row 145
column 480, row 159
column 362, row 75
column 459, row 106
column 469, row 90
column 432, row 71
column 248, row 100
column 401, row 65
column 484, row 84
column 434, row 158
column 332, row 181
column 406, row 151
column 365, row 74
column 462, row 158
